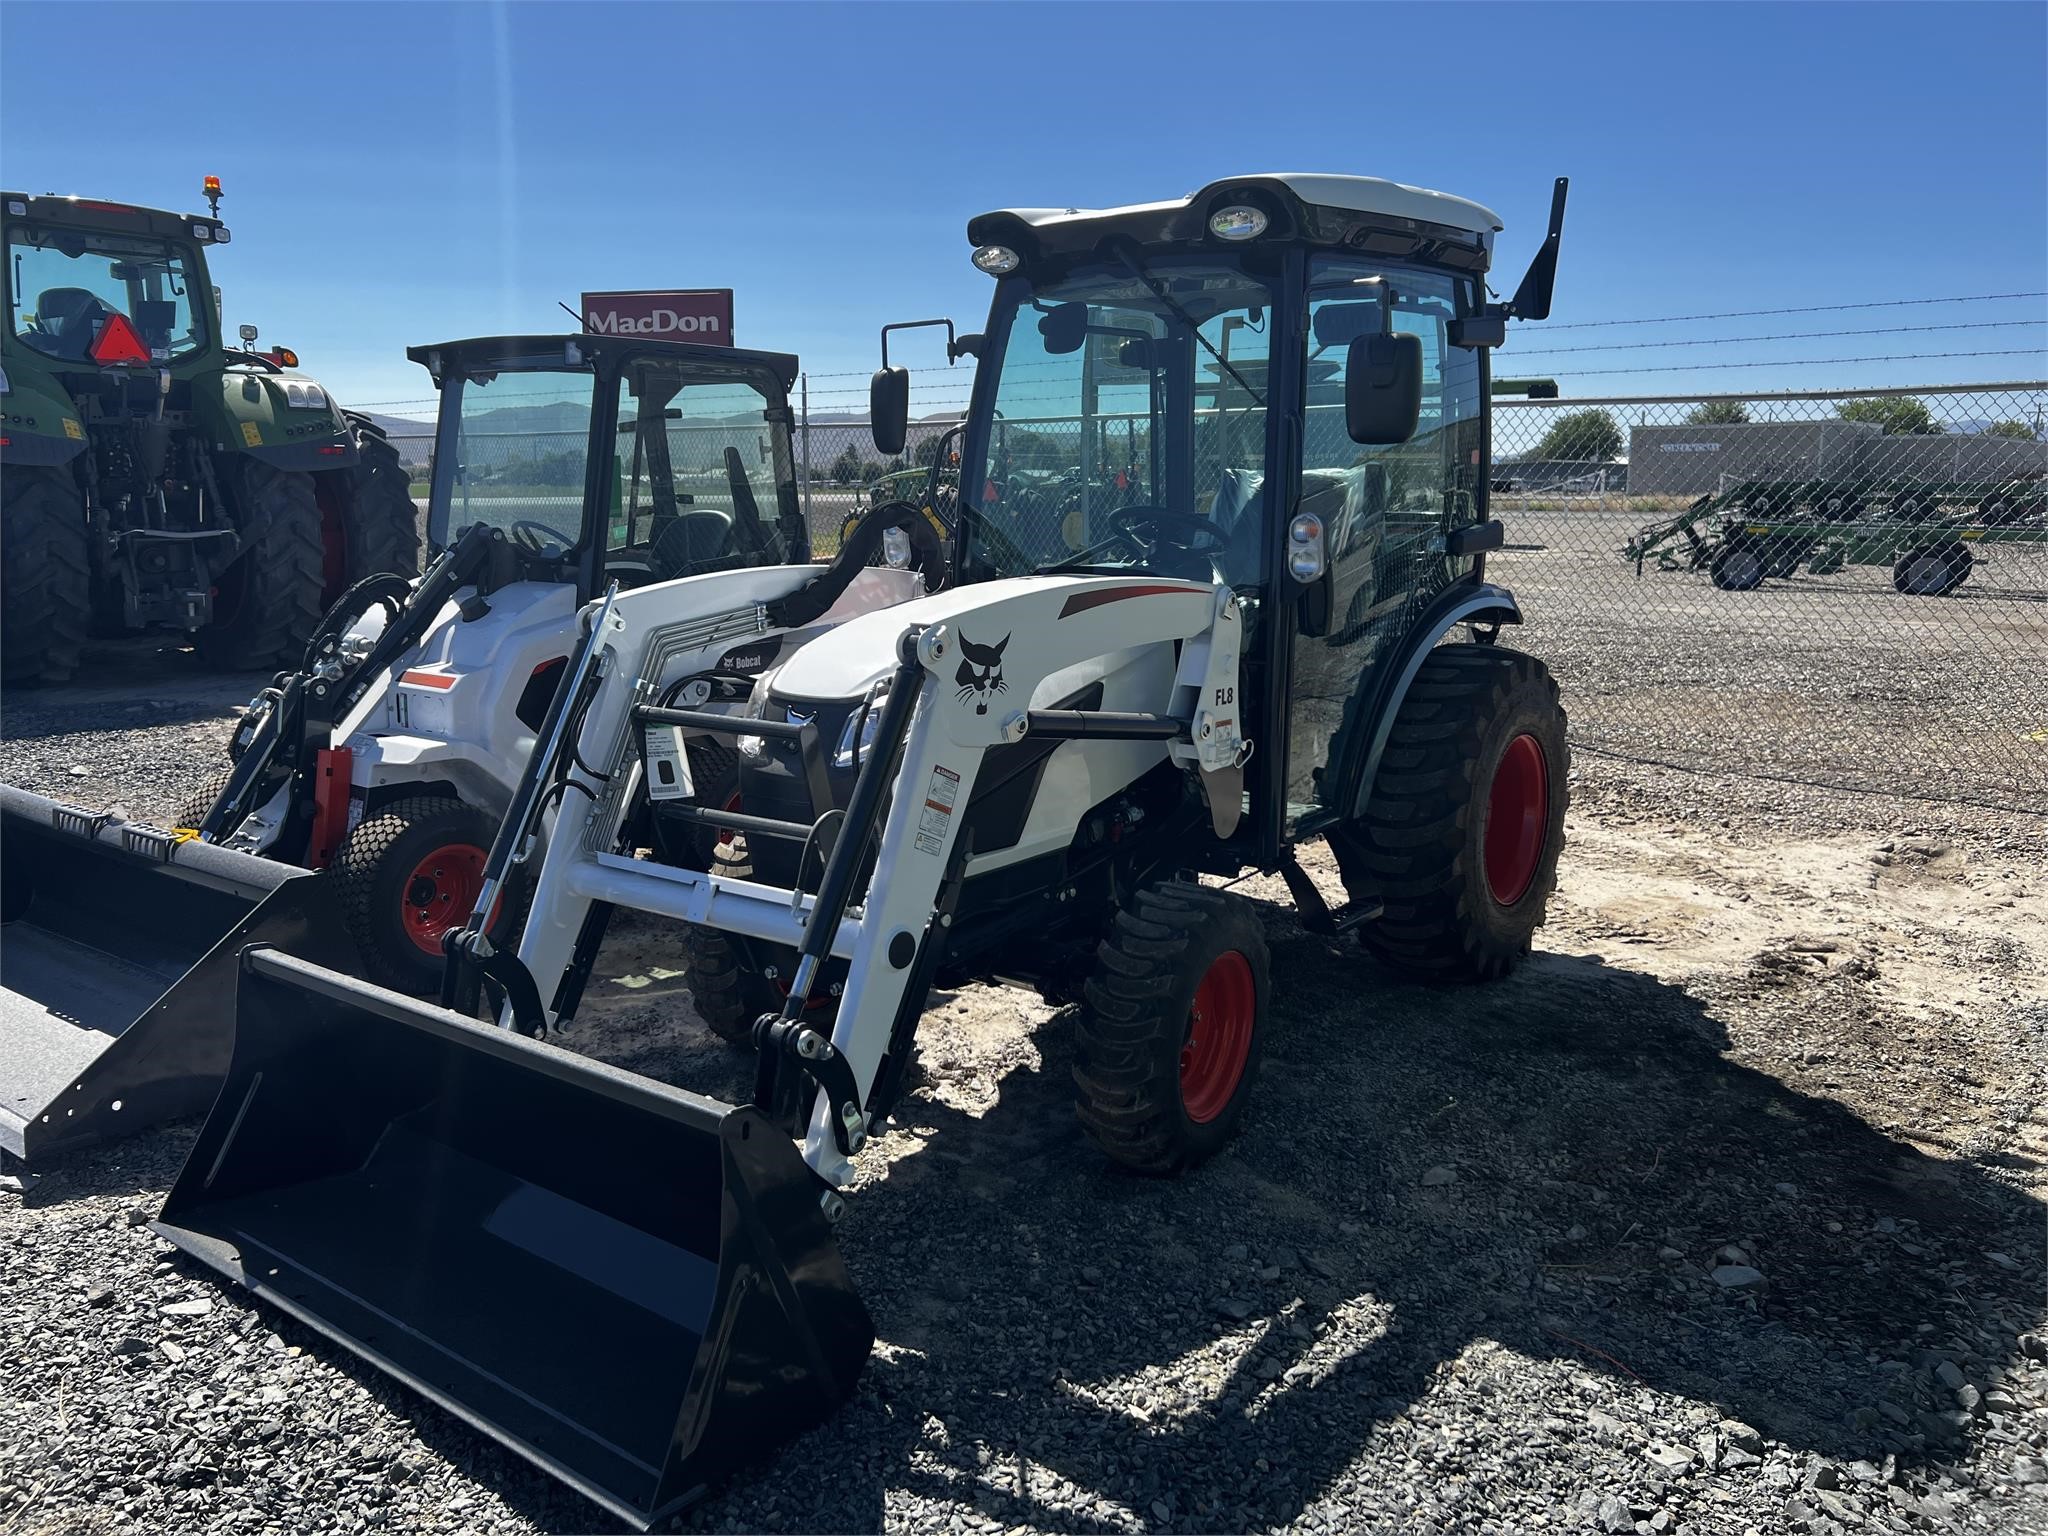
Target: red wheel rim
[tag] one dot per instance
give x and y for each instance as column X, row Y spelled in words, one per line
column 726, row 834
column 1517, row 819
column 440, row 892
column 1219, row 1037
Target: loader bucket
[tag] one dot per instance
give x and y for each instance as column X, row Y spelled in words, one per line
column 629, row 1285
column 117, row 968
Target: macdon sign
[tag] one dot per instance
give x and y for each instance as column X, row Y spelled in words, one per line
column 672, row 314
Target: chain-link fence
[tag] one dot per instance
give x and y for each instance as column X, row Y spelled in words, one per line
column 1845, row 589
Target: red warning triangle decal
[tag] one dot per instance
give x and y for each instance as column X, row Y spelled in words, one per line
column 117, row 344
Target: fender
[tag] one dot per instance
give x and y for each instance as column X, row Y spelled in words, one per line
column 252, row 413
column 37, row 422
column 1464, row 603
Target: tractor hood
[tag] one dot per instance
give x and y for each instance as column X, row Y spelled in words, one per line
column 852, row 658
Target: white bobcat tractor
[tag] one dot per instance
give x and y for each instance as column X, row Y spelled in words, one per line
column 389, row 758
column 1224, row 501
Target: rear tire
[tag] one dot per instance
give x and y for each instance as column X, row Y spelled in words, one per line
column 1168, row 1042
column 404, row 876
column 1461, row 835
column 269, row 601
column 728, row 996
column 383, row 527
column 45, row 575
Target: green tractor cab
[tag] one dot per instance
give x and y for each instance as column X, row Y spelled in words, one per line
column 153, row 476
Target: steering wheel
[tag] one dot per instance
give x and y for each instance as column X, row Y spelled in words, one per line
column 1179, row 530
column 537, row 535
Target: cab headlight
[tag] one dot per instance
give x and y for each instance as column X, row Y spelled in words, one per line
column 305, row 397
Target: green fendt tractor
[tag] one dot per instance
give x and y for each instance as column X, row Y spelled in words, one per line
column 151, row 475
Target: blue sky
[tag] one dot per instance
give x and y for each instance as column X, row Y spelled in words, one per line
column 398, row 174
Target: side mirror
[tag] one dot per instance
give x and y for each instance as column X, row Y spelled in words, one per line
column 1383, row 388
column 889, row 408
column 1064, row 327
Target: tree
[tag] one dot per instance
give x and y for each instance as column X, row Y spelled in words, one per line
column 928, row 449
column 1894, row 415
column 1717, row 413
column 846, row 468
column 1589, row 434
column 2017, row 430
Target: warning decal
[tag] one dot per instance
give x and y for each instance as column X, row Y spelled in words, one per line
column 935, row 815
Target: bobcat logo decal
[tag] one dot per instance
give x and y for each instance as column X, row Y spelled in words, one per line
column 981, row 672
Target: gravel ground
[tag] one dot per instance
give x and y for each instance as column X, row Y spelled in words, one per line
column 1723, row 1215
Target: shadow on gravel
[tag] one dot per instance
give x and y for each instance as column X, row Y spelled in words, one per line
column 1068, row 1347
column 1605, row 1152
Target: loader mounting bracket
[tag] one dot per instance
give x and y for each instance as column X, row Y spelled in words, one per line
column 795, row 1042
column 478, row 971
column 1315, row 913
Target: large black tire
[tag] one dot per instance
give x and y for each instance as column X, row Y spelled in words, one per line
column 728, row 996
column 1462, row 831
column 390, row 890
column 269, row 601
column 382, row 532
column 1168, row 1041
column 1932, row 570
column 45, row 575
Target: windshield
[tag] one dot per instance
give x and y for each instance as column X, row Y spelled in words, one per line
column 64, row 285
column 703, row 476
column 521, row 441
column 1120, row 391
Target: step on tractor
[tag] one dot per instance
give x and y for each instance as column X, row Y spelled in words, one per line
column 155, row 476
column 1046, row 773
column 387, row 761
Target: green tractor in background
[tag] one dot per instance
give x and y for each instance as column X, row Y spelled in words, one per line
column 153, row 476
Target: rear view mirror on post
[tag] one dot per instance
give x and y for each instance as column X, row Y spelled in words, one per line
column 1383, row 388
column 889, row 408
column 1064, row 327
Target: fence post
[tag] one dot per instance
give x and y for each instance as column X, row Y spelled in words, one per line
column 805, row 381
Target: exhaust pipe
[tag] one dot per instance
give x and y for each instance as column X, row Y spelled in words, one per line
column 117, row 965
column 632, row 1286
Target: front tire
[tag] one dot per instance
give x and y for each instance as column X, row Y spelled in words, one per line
column 268, row 602
column 1168, row 1042
column 729, row 997
column 1461, row 836
column 406, row 875
column 45, row 575
column 1738, row 568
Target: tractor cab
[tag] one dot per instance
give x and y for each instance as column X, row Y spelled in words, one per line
column 605, row 458
column 1278, row 383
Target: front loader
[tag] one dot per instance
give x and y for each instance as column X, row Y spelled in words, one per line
column 1140, row 684
column 153, row 474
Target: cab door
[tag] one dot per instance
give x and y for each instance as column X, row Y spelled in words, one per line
column 1385, row 512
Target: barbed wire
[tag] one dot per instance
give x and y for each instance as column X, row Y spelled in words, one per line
column 1729, row 341
column 1801, row 309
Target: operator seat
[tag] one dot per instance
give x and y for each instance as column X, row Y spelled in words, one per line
column 69, row 317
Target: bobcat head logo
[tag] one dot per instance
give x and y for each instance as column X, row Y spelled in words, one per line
column 981, row 672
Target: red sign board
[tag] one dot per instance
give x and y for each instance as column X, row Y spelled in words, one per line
column 664, row 314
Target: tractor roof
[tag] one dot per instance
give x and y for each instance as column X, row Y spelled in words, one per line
column 1362, row 212
column 123, row 218
column 475, row 351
